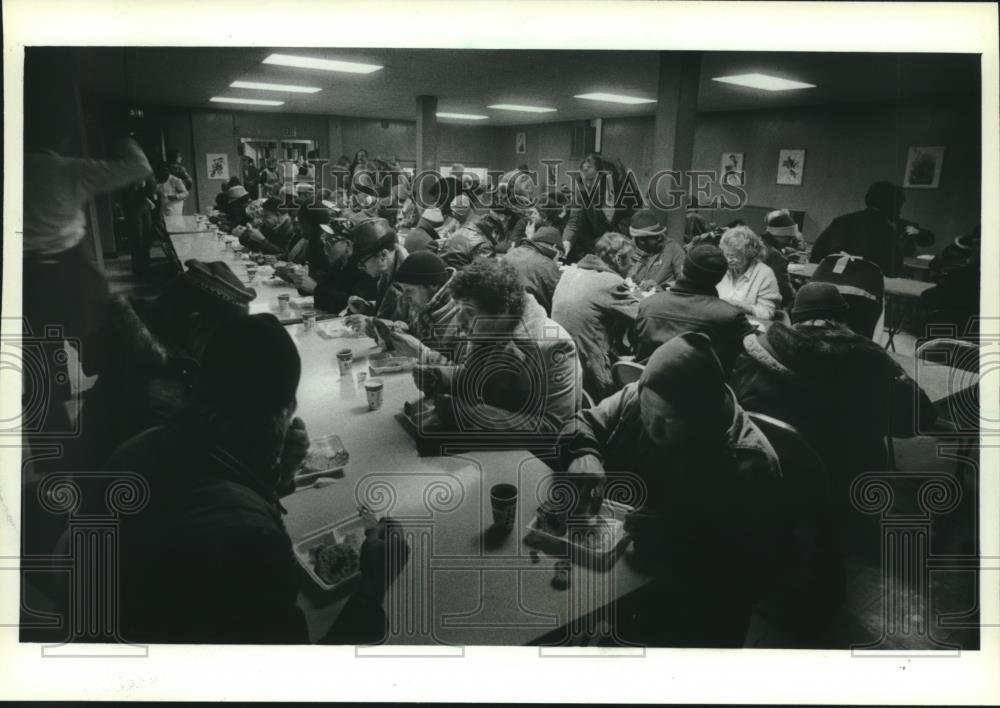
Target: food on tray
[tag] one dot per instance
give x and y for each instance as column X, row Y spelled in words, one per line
column 335, row 562
column 326, row 453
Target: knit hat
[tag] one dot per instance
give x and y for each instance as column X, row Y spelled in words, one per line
column 819, row 301
column 371, row 236
column 433, row 217
column 216, row 280
column 423, row 268
column 705, row 264
column 418, row 240
column 549, row 235
column 250, row 362
column 686, row 373
column 781, row 223
column 236, row 192
column 272, row 205
column 645, row 224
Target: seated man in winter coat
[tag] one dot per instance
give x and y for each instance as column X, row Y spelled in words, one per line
column 693, row 305
column 781, row 237
column 378, row 254
column 536, row 260
column 274, row 233
column 209, row 560
column 513, row 370
column 658, row 260
column 146, row 356
column 708, row 480
column 841, row 390
column 596, row 307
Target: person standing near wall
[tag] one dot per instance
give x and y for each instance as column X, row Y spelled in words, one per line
column 177, row 169
column 172, row 191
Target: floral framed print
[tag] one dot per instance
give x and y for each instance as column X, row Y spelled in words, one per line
column 791, row 166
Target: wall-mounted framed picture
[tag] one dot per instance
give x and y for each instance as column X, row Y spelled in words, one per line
column 923, row 167
column 519, row 144
column 791, row 166
column 731, row 171
column 218, row 165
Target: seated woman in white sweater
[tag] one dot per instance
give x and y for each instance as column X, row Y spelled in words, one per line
column 749, row 284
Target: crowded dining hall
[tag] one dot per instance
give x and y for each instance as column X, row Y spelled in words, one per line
column 563, row 348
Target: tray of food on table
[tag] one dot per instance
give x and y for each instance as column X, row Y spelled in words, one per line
column 327, row 457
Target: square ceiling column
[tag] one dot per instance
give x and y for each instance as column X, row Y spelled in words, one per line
column 673, row 134
column 427, row 140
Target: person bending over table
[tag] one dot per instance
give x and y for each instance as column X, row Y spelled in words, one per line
column 693, row 305
column 840, row 389
column 595, row 305
column 271, row 232
column 378, row 254
column 537, row 260
column 710, row 480
column 425, row 309
column 748, row 283
column 209, row 559
column 658, row 260
column 513, row 369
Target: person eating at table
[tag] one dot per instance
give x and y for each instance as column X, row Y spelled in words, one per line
column 877, row 233
column 537, row 260
column 692, row 304
column 781, row 239
column 307, row 245
column 209, row 559
column 426, row 307
column 379, row 255
column 595, row 305
column 657, row 260
column 272, row 234
column 514, row 370
column 709, row 479
column 748, row 284
column 341, row 280
column 146, row 356
column 841, row 390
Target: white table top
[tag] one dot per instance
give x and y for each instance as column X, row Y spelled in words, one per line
column 183, row 224
column 204, row 246
column 937, row 380
column 461, row 587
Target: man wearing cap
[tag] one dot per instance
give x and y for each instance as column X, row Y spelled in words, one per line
column 428, row 313
column 709, row 479
column 424, row 236
column 274, row 233
column 209, row 559
column 379, row 255
column 598, row 309
column 146, row 355
column 841, row 390
column 876, row 233
column 693, row 305
column 781, row 235
column 537, row 260
column 658, row 260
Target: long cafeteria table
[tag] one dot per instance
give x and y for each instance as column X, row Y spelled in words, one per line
column 461, row 585
column 204, row 246
column 183, row 224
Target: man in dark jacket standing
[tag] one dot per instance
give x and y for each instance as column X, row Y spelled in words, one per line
column 693, row 305
column 710, row 481
column 877, row 233
column 535, row 258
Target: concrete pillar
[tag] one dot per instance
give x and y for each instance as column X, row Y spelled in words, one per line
column 427, row 140
column 673, row 132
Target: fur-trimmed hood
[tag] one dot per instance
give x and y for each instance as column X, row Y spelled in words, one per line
column 817, row 354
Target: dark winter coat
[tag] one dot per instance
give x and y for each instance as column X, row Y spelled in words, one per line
column 870, row 235
column 535, row 262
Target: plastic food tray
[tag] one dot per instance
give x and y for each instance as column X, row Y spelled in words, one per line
column 603, row 556
column 334, row 533
column 389, row 363
column 331, row 448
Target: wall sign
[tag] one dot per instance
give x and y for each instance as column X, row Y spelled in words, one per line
column 923, row 167
column 731, row 171
column 791, row 166
column 519, row 143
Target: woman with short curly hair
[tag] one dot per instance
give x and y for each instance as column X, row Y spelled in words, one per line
column 515, row 370
column 748, row 284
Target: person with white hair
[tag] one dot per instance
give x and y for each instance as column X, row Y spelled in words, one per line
column 748, row 284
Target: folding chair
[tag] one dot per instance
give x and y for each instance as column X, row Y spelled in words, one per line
column 861, row 284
